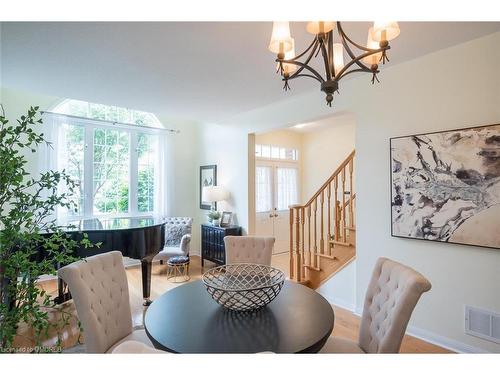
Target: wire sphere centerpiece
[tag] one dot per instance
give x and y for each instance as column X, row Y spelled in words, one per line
column 243, row 286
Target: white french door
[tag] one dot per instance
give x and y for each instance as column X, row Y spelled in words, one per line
column 276, row 188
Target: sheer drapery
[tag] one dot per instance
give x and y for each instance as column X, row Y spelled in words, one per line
column 286, row 186
column 263, row 193
column 161, row 178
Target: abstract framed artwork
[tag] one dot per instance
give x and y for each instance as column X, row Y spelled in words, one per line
column 445, row 186
column 208, row 177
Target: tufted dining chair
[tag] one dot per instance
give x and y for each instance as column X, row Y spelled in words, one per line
column 392, row 294
column 249, row 249
column 99, row 288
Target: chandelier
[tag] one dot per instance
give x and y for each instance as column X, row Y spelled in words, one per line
column 367, row 59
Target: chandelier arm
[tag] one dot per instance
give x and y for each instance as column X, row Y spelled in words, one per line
column 305, row 75
column 359, row 70
column 324, row 52
column 356, row 61
column 302, row 67
column 368, row 52
column 315, row 41
column 344, row 36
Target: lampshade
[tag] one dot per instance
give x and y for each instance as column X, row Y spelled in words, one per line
column 289, row 68
column 214, row 194
column 281, row 41
column 372, row 44
column 338, row 57
column 385, row 30
column 319, row 26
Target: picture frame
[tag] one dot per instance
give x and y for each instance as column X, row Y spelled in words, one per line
column 226, row 218
column 445, row 186
column 208, row 177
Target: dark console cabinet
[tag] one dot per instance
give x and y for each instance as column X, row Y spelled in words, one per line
column 212, row 242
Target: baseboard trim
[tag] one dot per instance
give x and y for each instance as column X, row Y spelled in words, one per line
column 444, row 342
column 433, row 338
column 343, row 304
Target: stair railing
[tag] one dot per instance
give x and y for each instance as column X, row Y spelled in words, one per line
column 323, row 221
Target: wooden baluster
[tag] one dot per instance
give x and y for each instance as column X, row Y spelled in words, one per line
column 344, row 230
column 309, row 234
column 329, row 209
column 351, row 196
column 322, row 225
column 336, row 213
column 315, row 217
column 302, row 238
column 291, row 244
column 298, row 264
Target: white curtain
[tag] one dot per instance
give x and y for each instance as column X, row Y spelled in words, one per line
column 263, row 189
column 287, row 193
column 165, row 169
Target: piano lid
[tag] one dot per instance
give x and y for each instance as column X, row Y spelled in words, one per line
column 118, row 223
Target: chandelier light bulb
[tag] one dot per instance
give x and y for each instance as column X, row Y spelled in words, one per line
column 372, row 44
column 385, row 31
column 281, row 41
column 319, row 27
column 338, row 57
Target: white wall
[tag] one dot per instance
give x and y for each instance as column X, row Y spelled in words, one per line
column 452, row 88
column 324, row 148
column 340, row 289
column 228, row 148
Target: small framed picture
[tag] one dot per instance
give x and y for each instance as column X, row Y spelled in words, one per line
column 226, row 219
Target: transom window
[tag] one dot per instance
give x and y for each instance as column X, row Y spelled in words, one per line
column 276, row 153
column 115, row 165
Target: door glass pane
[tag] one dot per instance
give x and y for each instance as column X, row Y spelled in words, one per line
column 286, row 186
column 111, row 171
column 263, row 189
column 70, row 158
column 146, row 154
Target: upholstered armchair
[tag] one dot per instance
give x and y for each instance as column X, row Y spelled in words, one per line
column 392, row 294
column 99, row 288
column 177, row 238
column 249, row 249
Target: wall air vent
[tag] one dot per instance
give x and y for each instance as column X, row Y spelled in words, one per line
column 482, row 323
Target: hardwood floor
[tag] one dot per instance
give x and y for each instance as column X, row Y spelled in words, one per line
column 346, row 323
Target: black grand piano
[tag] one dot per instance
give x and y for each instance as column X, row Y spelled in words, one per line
column 136, row 237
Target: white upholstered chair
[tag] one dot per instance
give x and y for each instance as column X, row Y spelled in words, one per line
column 249, row 249
column 135, row 347
column 177, row 238
column 392, row 294
column 99, row 288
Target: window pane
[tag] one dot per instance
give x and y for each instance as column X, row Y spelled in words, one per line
column 275, row 152
column 111, row 171
column 266, row 151
column 258, row 152
column 70, row 158
column 287, row 187
column 282, row 153
column 263, row 197
column 147, row 146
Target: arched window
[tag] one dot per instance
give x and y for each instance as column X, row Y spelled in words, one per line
column 113, row 155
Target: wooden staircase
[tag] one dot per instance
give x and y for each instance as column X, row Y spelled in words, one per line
column 323, row 231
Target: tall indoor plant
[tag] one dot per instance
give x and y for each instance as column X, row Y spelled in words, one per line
column 31, row 243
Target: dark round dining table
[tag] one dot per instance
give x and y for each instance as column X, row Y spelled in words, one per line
column 187, row 320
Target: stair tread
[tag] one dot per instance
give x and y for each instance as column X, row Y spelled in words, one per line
column 340, row 243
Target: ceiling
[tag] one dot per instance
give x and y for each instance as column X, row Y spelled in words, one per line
column 203, row 71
